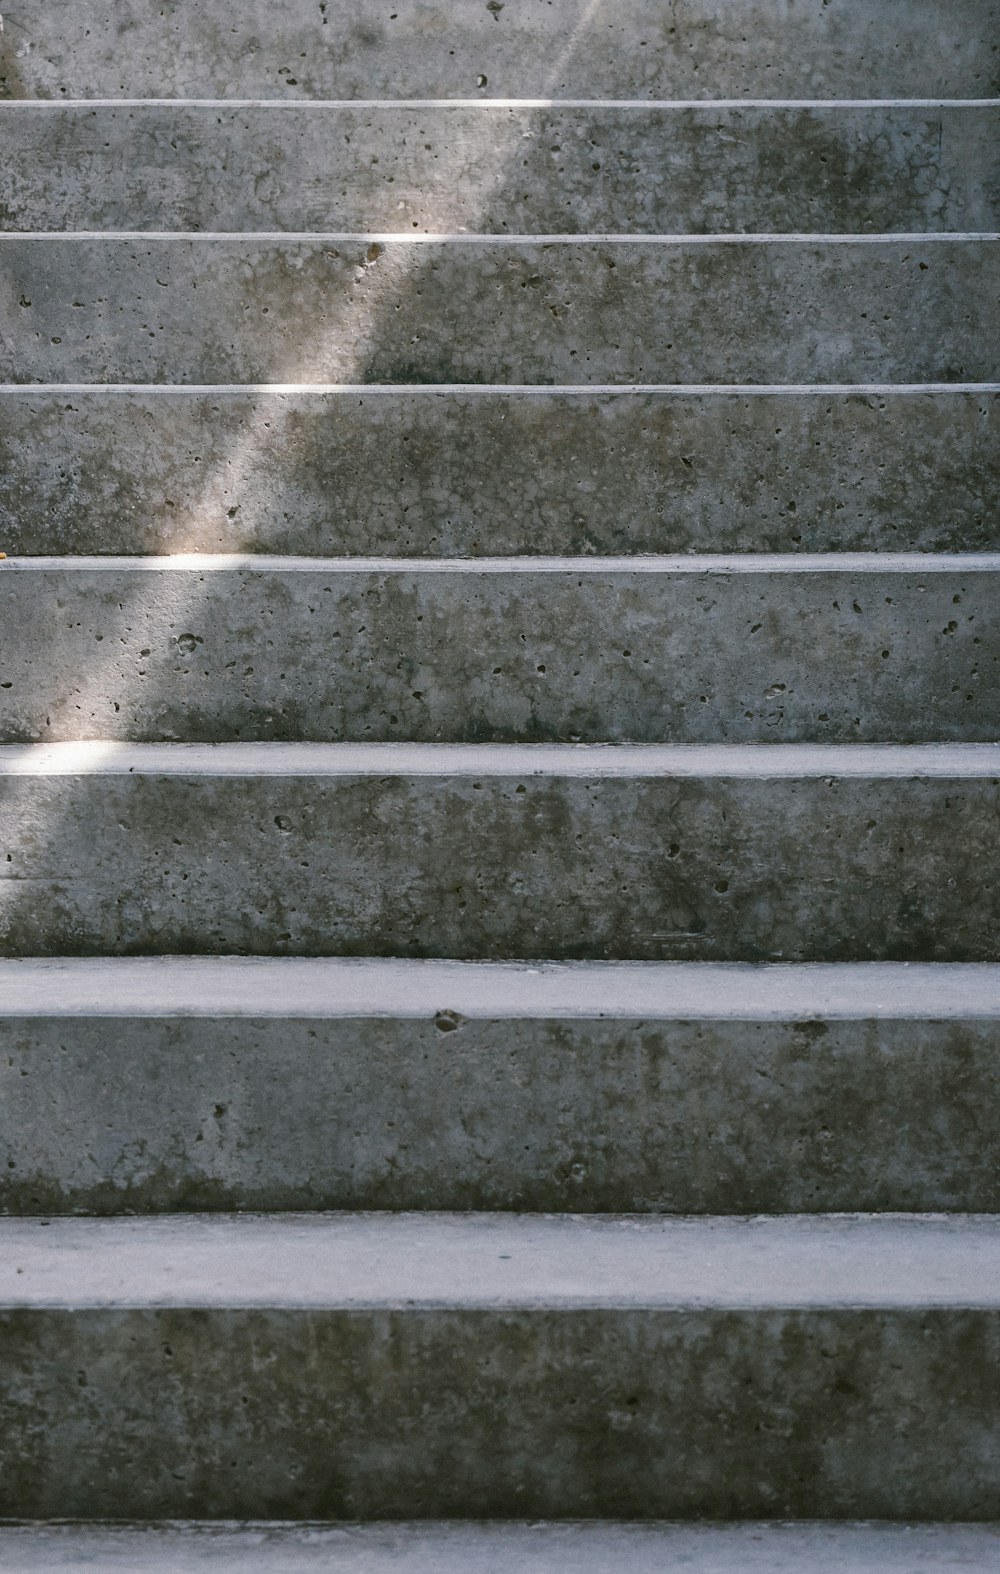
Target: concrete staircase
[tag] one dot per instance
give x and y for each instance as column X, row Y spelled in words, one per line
column 500, row 783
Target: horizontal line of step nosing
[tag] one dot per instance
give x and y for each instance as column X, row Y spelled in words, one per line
column 535, row 1261
column 507, row 390
column 491, row 1259
column 393, row 238
column 468, row 1547
column 325, row 987
column 307, row 105
column 748, row 761
column 918, row 563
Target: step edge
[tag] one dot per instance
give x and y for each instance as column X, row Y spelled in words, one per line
column 647, row 564
column 412, row 1262
column 507, row 390
column 307, row 988
column 753, row 761
column 473, row 238
column 311, row 105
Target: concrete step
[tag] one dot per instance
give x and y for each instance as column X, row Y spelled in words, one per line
column 474, row 471
column 747, row 649
column 727, row 853
column 577, row 167
column 363, row 308
column 155, row 1085
column 460, row 48
column 384, row 1366
column 469, row 1548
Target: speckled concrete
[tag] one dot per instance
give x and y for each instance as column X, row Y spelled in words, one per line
column 410, row 854
column 461, row 47
column 500, row 1366
column 754, row 1547
column 473, row 472
column 800, row 650
column 660, row 170
column 344, row 308
column 132, row 1112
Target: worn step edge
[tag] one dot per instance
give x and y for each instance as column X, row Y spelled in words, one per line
column 469, row 237
column 508, row 390
column 534, row 1261
column 754, row 761
column 649, row 563
column 325, row 987
column 469, row 1547
column 708, row 105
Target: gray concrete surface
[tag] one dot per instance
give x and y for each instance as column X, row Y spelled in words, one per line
column 357, row 308
column 475, row 471
column 754, row 1547
column 236, row 1084
column 689, row 650
column 357, row 1368
column 440, row 47
column 636, row 168
column 739, row 853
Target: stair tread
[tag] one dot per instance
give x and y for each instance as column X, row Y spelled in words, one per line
column 439, row 48
column 217, row 307
column 489, row 165
column 526, row 1261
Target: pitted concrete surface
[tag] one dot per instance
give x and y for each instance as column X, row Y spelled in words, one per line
column 472, row 472
column 749, row 1548
column 635, row 168
column 443, row 48
column 767, row 854
column 800, row 651
column 423, row 1099
column 365, row 1368
column 358, row 308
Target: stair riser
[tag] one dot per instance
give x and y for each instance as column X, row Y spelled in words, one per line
column 643, row 867
column 148, row 655
column 361, row 1414
column 115, row 1116
column 438, row 48
column 482, row 169
column 338, row 309
column 471, row 473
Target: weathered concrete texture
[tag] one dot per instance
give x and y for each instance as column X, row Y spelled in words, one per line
column 134, row 1114
column 848, row 862
column 587, row 651
column 492, row 168
column 468, row 472
column 353, row 1367
column 754, row 1547
column 461, row 47
column 345, row 308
